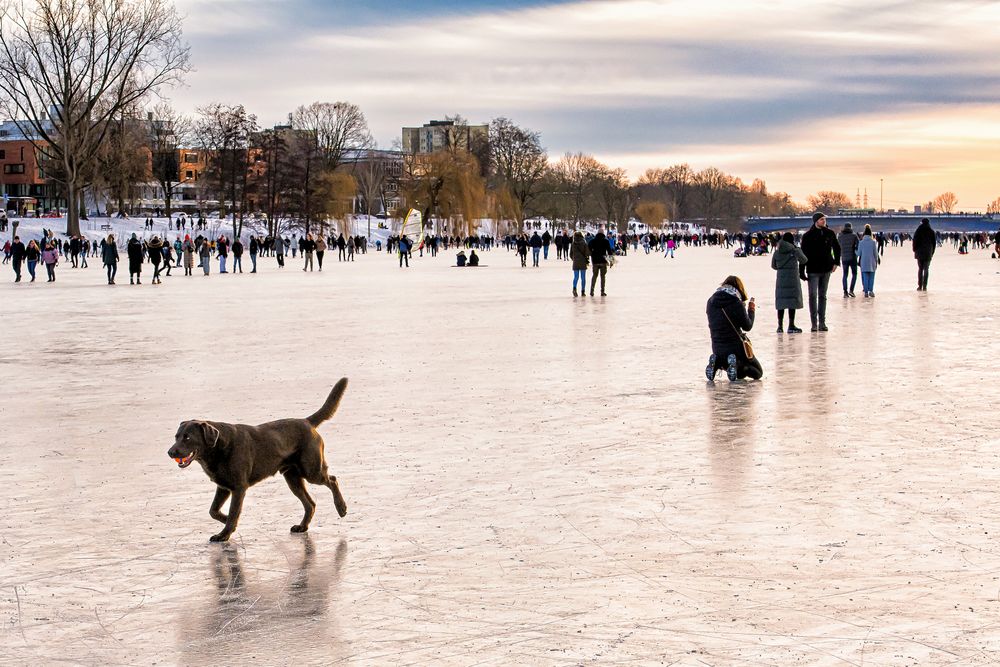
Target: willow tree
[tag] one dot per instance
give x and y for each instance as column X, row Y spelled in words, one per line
column 447, row 184
column 70, row 67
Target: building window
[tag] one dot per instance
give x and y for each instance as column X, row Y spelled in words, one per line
column 190, row 158
column 13, row 169
column 189, row 174
column 3, row 155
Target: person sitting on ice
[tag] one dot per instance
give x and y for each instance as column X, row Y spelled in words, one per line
column 460, row 258
column 473, row 258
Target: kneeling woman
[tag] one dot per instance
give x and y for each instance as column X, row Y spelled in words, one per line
column 727, row 320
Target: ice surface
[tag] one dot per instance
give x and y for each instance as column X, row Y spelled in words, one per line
column 531, row 479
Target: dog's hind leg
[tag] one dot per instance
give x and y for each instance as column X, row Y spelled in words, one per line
column 298, row 487
column 314, row 469
column 338, row 497
column 221, row 496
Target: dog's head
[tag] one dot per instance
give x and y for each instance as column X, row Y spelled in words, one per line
column 193, row 439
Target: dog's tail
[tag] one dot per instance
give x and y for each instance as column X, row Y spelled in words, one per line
column 330, row 407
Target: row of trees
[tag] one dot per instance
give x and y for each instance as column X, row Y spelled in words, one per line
column 519, row 181
column 79, row 73
column 830, row 202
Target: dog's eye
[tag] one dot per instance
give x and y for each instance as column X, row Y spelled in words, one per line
column 187, row 437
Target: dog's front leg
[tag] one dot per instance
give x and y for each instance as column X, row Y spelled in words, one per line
column 235, row 507
column 221, row 495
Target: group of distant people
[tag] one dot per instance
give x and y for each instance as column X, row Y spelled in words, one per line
column 730, row 313
column 164, row 255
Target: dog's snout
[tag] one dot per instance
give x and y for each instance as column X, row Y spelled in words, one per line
column 172, row 453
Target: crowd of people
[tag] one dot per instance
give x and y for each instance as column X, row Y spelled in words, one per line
column 811, row 258
column 813, row 261
column 163, row 256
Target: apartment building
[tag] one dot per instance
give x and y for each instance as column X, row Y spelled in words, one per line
column 23, row 185
column 438, row 135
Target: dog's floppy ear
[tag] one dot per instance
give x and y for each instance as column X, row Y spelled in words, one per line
column 210, row 434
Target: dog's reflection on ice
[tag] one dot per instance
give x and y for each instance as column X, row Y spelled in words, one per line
column 262, row 608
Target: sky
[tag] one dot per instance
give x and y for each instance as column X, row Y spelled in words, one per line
column 899, row 97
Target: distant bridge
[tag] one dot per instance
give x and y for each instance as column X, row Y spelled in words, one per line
column 882, row 222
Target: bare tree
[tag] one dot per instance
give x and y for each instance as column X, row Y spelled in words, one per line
column 225, row 131
column 169, row 130
column 518, row 162
column 275, row 178
column 945, row 202
column 83, row 62
column 576, row 175
column 371, row 176
column 122, row 160
column 829, row 202
column 339, row 127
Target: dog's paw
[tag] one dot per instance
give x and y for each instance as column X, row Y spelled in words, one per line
column 298, row 528
column 221, row 537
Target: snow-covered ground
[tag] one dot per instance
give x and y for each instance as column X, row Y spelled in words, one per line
column 531, row 479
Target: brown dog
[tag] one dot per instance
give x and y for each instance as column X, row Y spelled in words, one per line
column 237, row 456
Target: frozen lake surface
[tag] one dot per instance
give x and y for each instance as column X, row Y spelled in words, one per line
column 530, row 479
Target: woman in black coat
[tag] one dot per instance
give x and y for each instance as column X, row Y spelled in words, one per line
column 109, row 254
column 134, row 249
column 727, row 320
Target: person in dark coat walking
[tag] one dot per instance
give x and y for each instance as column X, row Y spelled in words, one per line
column 536, row 248
column 342, row 249
column 134, row 250
column 727, row 320
column 849, row 257
column 403, row 245
column 17, row 254
column 237, row 255
column 786, row 260
column 924, row 245
column 822, row 251
column 255, row 248
column 109, row 256
column 522, row 249
column 155, row 250
column 600, row 251
column 579, row 252
column 307, row 246
column 546, row 240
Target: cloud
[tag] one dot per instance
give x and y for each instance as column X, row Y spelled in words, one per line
column 646, row 79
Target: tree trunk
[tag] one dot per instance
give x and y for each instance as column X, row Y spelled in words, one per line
column 72, row 211
column 166, row 200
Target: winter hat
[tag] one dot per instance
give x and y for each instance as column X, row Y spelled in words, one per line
column 817, row 215
column 787, row 236
column 848, row 227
